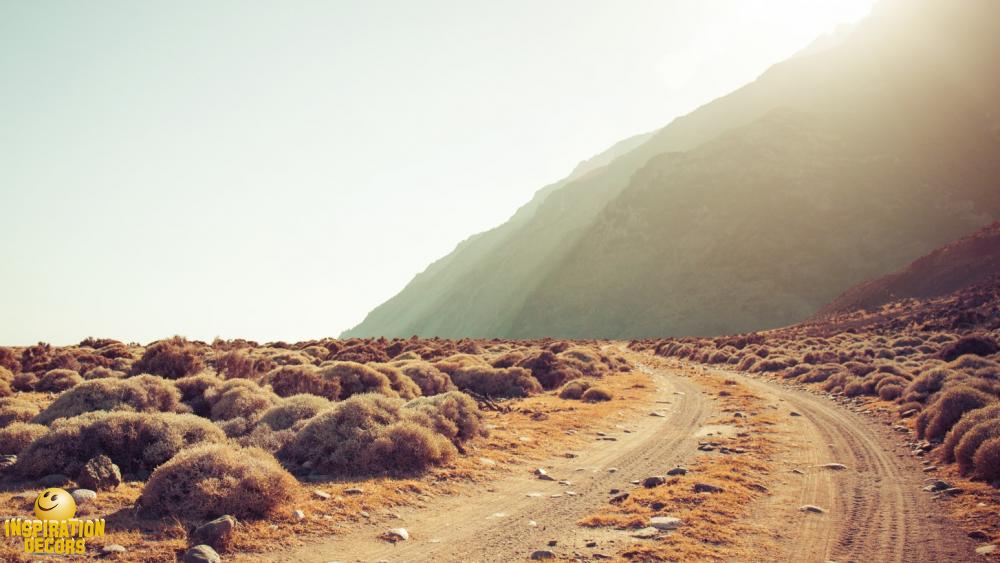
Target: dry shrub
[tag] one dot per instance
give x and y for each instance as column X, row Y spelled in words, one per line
column 818, row 374
column 454, row 415
column 213, row 480
column 318, row 352
column 890, row 392
column 171, row 358
column 987, row 461
column 372, row 434
column 290, row 380
column 194, row 388
column 58, row 380
column 289, row 358
column 13, row 410
column 550, row 370
column 926, row 384
column 407, row 448
column 19, row 435
column 574, row 389
column 9, row 360
column 854, row 388
column 430, row 379
column 239, row 398
column 24, row 381
column 243, row 364
column 101, row 372
column 134, row 441
column 5, row 389
column 145, row 393
column 978, row 344
column 938, row 418
column 355, row 378
column 510, row 359
column 972, row 439
column 405, row 387
column 406, row 356
column 290, row 411
column 455, row 362
column 585, row 360
column 596, row 394
column 361, row 353
column 496, row 382
column 968, row 420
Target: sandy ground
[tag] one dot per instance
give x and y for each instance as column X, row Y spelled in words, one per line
column 874, row 509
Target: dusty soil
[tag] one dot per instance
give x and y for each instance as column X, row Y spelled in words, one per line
column 874, row 508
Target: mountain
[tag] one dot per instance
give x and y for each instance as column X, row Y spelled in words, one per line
column 838, row 165
column 965, row 262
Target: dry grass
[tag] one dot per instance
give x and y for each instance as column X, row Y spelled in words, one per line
column 713, row 529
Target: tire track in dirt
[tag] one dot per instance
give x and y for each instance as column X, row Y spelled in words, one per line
column 876, row 510
column 490, row 522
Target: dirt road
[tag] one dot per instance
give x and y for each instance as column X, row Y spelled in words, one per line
column 509, row 519
column 874, row 509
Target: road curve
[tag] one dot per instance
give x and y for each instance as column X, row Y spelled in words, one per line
column 876, row 510
column 492, row 522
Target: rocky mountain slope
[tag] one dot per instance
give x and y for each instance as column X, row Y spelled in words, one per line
column 965, row 262
column 836, row 166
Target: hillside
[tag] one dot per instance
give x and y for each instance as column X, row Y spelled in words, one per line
column 967, row 261
column 836, row 166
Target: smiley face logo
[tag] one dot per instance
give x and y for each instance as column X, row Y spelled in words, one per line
column 54, row 504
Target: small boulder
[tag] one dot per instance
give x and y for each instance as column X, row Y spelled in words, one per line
column 542, row 554
column 113, row 549
column 201, row 554
column 834, row 466
column 677, row 471
column 83, row 496
column 619, row 498
column 353, row 491
column 215, row 533
column 986, row 549
column 665, row 522
column 100, row 474
column 396, row 535
column 812, row 508
column 706, row 488
column 654, row 481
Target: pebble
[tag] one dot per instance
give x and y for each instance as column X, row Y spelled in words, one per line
column 654, row 481
column 397, row 534
column 353, row 491
column 834, row 466
column 201, row 554
column 811, row 508
column 706, row 488
column 645, row 533
column 83, row 496
column 665, row 522
column 299, row 515
column 322, row 495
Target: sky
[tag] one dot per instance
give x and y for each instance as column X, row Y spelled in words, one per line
column 273, row 170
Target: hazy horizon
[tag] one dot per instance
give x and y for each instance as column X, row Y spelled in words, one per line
column 249, row 171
